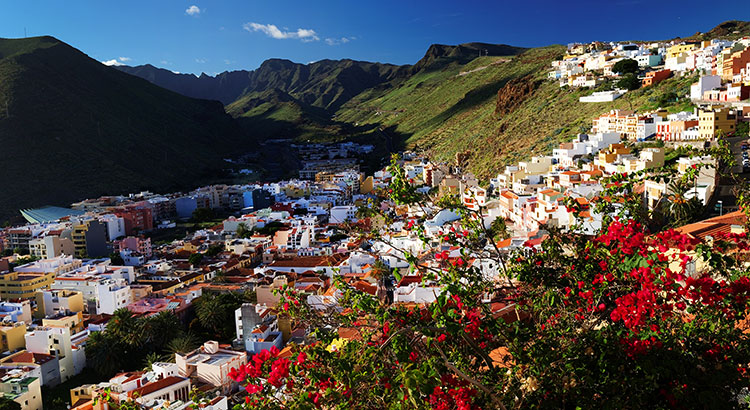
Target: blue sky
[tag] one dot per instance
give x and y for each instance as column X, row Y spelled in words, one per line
column 219, row 35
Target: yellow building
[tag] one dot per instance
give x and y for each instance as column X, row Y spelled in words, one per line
column 367, row 185
column 609, row 155
column 716, row 119
column 24, row 285
column 84, row 392
column 678, row 49
column 70, row 320
column 52, row 302
column 17, row 384
column 12, row 337
column 293, row 191
column 79, row 239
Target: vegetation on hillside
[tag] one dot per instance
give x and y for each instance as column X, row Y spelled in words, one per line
column 72, row 128
column 447, row 112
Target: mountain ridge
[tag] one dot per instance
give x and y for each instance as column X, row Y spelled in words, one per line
column 72, row 127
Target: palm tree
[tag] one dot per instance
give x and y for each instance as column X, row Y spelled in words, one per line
column 159, row 329
column 154, row 357
column 683, row 210
column 8, row 404
column 211, row 312
column 104, row 353
column 183, row 344
column 126, row 327
column 215, row 313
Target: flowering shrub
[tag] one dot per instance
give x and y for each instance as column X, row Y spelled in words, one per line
column 611, row 321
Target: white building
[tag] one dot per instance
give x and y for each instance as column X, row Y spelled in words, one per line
column 705, row 83
column 55, row 341
column 345, row 213
column 603, row 96
column 115, row 226
column 211, row 364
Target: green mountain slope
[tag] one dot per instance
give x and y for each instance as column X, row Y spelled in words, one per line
column 282, row 99
column 71, row 127
column 324, row 84
column 497, row 109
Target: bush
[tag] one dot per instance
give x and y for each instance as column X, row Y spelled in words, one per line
column 629, row 82
column 625, row 66
column 612, row 320
column 203, row 215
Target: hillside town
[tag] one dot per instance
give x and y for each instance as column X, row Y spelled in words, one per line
column 69, row 273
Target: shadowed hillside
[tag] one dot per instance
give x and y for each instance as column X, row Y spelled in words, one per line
column 71, row 128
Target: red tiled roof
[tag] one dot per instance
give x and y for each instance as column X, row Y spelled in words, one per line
column 156, row 386
column 28, row 357
column 365, row 287
column 407, row 280
column 713, row 226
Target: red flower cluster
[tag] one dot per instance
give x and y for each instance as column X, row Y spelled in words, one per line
column 453, row 394
column 625, row 237
column 637, row 347
column 634, row 309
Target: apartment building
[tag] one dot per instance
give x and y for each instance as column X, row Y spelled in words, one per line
column 716, row 120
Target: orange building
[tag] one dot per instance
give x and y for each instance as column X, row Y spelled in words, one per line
column 735, row 63
column 653, row 77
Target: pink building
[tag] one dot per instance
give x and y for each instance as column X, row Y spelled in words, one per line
column 152, row 306
column 137, row 244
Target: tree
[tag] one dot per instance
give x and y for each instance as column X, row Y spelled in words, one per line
column 629, row 82
column 625, row 66
column 152, row 358
column 683, row 209
column 124, row 326
column 611, row 320
column 499, row 229
column 203, row 215
column 215, row 313
column 183, row 344
column 195, row 259
column 243, row 232
column 8, row 404
column 160, row 329
column 742, row 129
column 214, row 249
column 105, row 353
column 116, row 259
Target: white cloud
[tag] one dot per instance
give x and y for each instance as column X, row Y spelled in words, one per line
column 200, row 60
column 272, row 31
column 228, row 62
column 337, row 41
column 193, row 10
column 164, row 62
column 112, row 62
column 124, row 59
